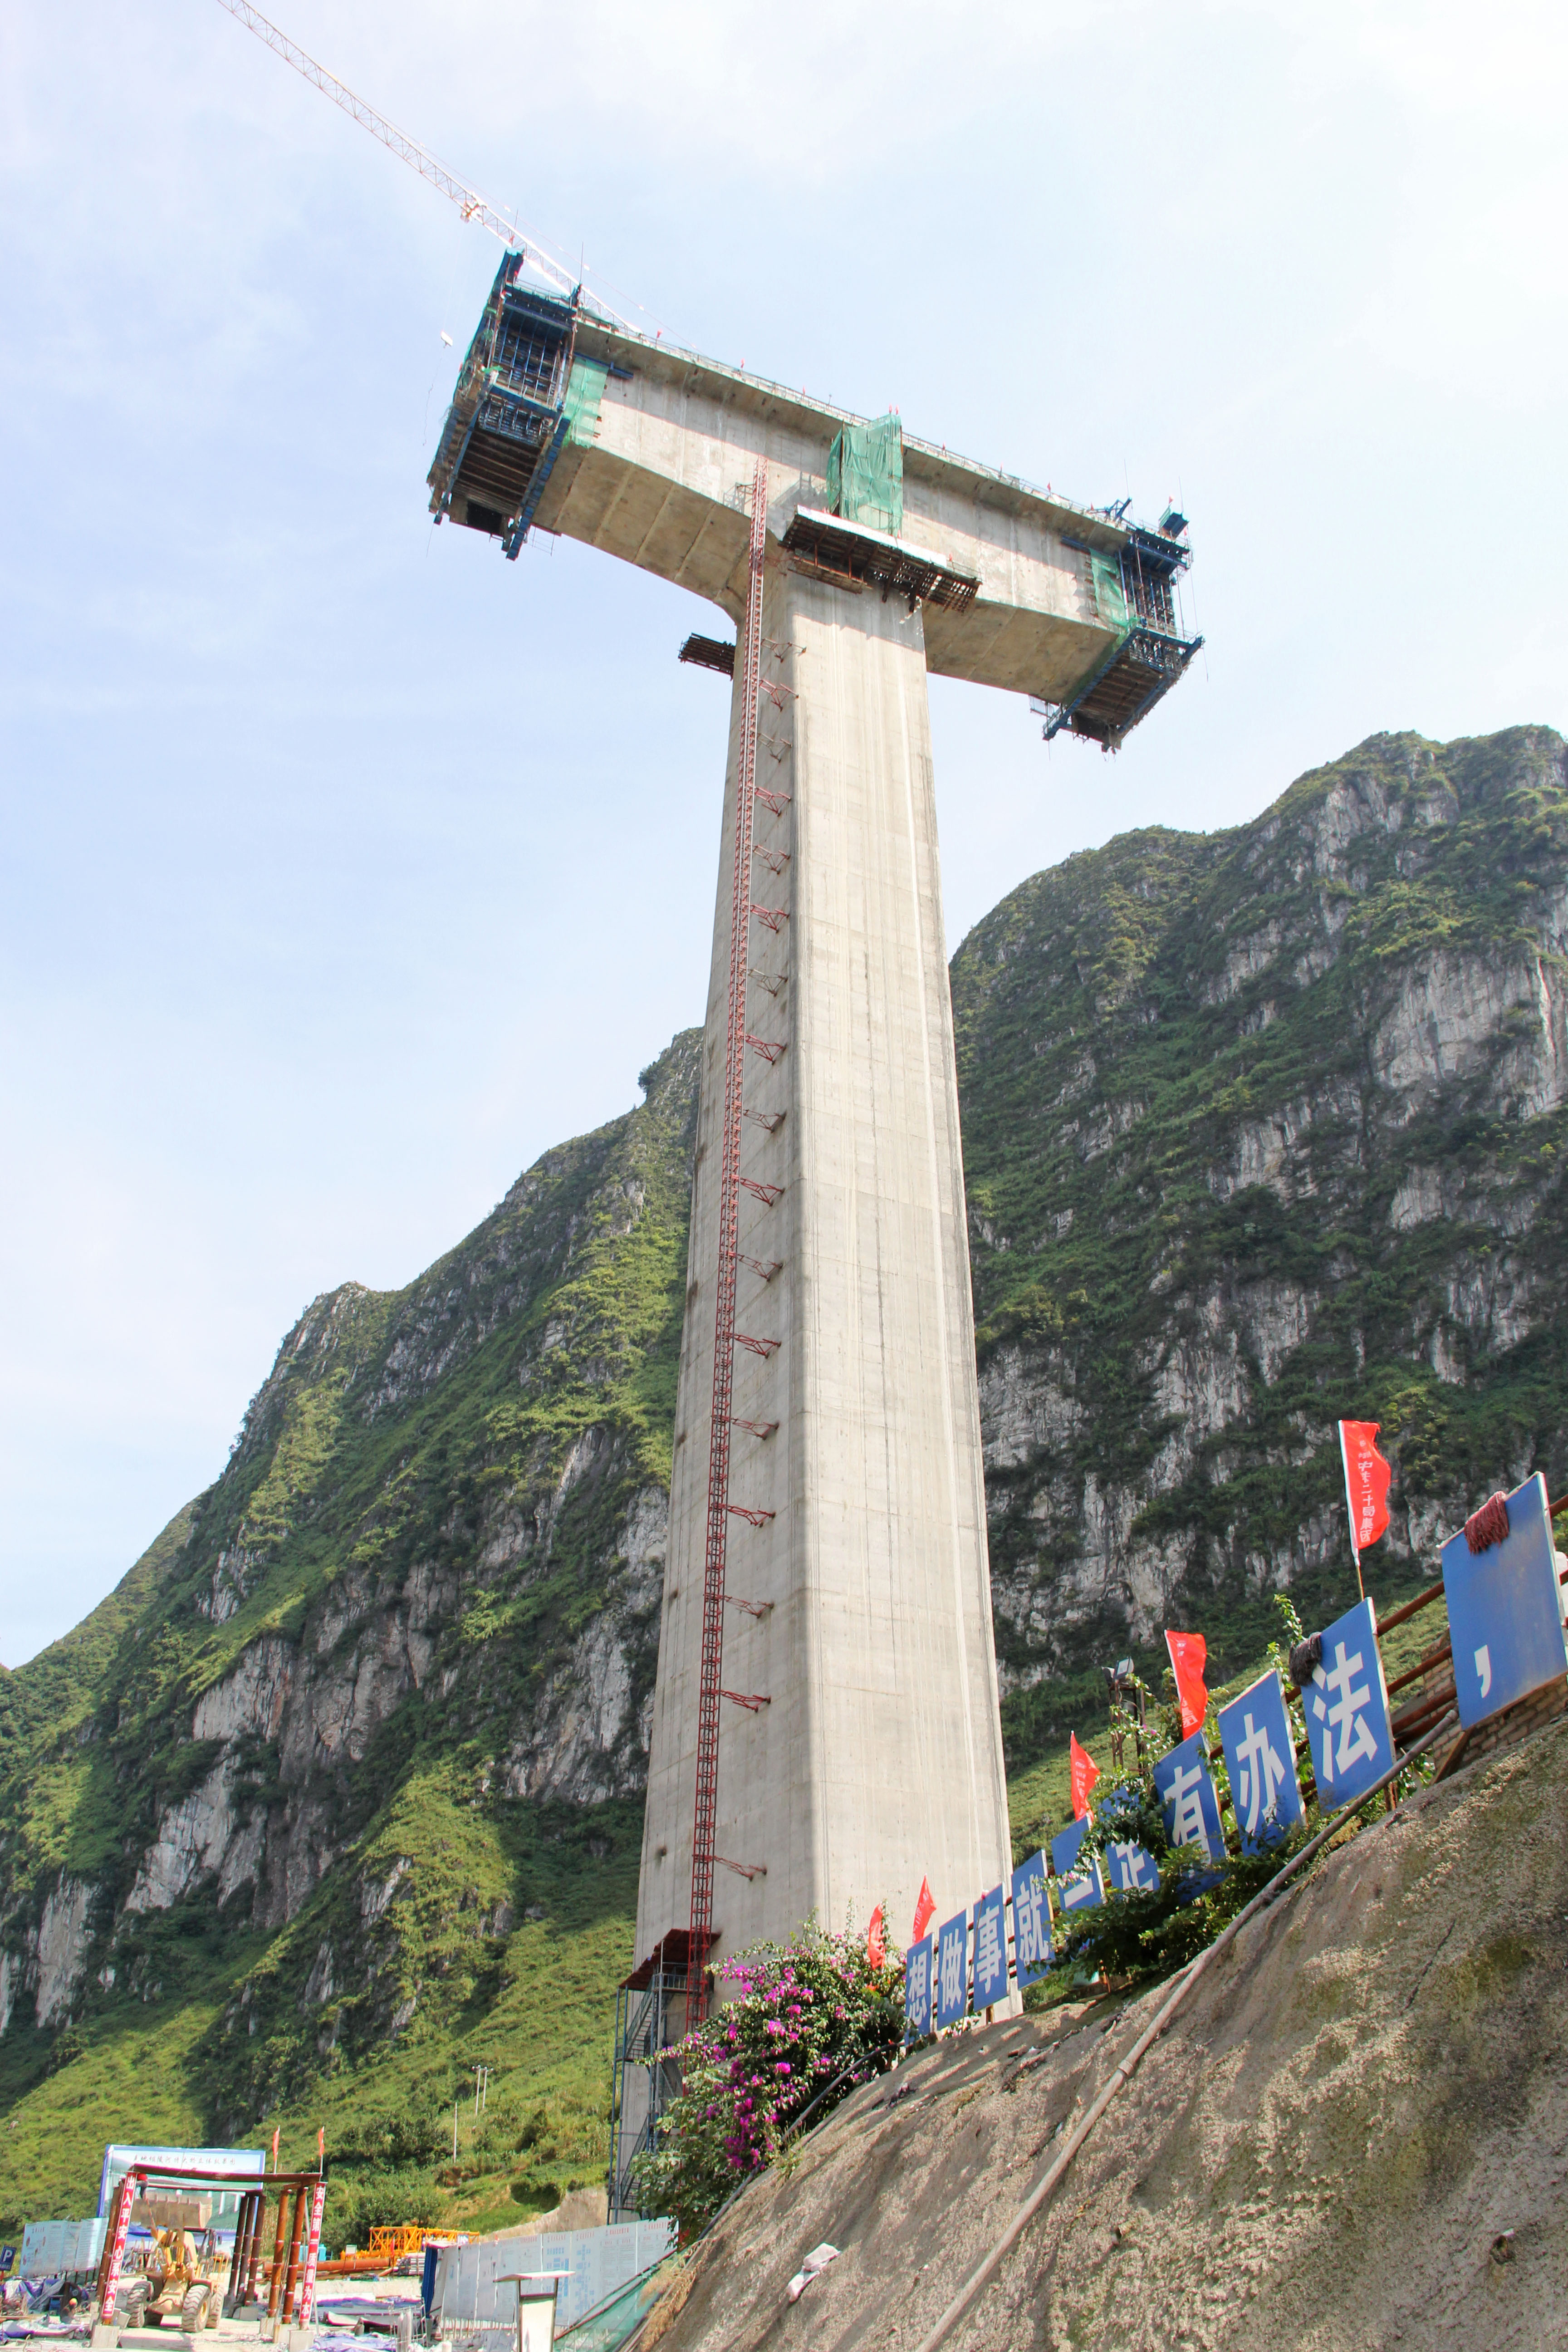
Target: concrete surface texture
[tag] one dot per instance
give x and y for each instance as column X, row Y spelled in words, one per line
column 665, row 482
column 1356, row 2134
column 878, row 1757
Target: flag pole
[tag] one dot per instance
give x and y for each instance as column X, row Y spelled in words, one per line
column 1350, row 1510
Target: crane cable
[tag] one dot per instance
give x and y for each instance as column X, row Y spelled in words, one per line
column 470, row 203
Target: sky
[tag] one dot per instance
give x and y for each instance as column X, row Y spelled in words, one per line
column 346, row 866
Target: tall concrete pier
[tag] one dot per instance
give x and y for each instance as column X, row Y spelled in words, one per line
column 876, row 1758
column 857, row 1740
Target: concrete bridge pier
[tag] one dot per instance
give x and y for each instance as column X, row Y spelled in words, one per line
column 874, row 1756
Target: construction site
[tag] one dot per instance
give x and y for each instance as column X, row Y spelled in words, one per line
column 918, row 2045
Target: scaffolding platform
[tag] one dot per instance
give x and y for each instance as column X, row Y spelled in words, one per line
column 1135, row 591
column 852, row 555
column 709, row 653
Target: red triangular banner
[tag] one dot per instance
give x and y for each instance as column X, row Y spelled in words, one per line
column 1367, row 1478
column 876, row 1941
column 1084, row 1772
column 924, row 1911
column 1189, row 1656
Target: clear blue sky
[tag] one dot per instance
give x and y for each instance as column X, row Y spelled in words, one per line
column 347, row 866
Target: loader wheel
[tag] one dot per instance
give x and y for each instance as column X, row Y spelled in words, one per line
column 193, row 2309
column 135, row 2304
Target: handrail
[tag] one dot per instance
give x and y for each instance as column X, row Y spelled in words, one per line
column 1410, row 1609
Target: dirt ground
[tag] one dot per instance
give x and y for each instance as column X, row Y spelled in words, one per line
column 1356, row 2134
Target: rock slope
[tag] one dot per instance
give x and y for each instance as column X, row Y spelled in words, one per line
column 1363, row 2100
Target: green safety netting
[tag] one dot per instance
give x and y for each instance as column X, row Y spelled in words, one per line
column 584, row 390
column 607, row 2328
column 866, row 474
column 1110, row 598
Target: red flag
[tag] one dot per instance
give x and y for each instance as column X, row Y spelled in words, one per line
column 876, row 1942
column 1189, row 1656
column 1367, row 1477
column 923, row 1910
column 1085, row 1772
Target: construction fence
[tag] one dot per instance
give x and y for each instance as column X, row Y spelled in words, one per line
column 474, row 2299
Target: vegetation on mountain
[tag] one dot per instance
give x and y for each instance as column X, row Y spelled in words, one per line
column 1261, row 1129
column 338, row 1795
column 390, row 1853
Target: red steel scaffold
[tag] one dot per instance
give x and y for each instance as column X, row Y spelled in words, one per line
column 711, row 1694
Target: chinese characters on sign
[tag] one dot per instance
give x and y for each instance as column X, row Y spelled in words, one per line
column 1133, row 1869
column 953, row 1969
column 1031, row 1921
column 1186, row 1791
column 1260, row 1756
column 990, row 1950
column 917, row 1990
column 1191, row 1807
column 1077, row 1889
column 1347, row 1710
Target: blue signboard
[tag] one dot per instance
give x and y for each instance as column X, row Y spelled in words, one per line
column 1260, row 1757
column 1505, row 1614
column 1346, row 1706
column 1077, row 1889
column 1186, row 1793
column 1133, row 1869
column 1031, row 1921
column 953, row 1969
column 1187, row 1798
column 990, row 1950
column 917, row 1990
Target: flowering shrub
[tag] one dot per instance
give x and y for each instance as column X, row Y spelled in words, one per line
column 790, row 2019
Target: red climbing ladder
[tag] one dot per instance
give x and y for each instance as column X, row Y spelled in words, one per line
column 710, row 1693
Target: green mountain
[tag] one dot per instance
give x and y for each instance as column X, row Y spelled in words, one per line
column 1262, row 1129
column 338, row 1794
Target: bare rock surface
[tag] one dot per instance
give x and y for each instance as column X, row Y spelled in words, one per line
column 1356, row 2133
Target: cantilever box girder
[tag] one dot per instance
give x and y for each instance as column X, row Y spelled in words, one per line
column 656, row 473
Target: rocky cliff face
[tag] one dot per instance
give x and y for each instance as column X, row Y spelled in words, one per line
column 433, row 1563
column 1261, row 1129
